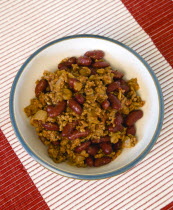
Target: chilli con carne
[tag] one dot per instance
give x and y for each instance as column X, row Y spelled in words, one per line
column 85, row 112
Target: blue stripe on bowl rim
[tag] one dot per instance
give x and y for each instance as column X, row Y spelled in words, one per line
column 78, row 176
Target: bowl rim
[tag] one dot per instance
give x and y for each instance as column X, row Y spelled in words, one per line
column 73, row 175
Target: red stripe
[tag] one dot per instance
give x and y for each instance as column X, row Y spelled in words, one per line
column 122, row 185
column 6, row 84
column 31, row 42
column 101, row 6
column 21, row 5
column 113, row 181
column 49, row 180
column 32, row 8
column 133, row 200
column 164, row 73
column 15, row 175
column 168, row 207
column 167, row 99
column 156, row 196
column 14, row 59
column 71, row 192
column 158, row 64
column 166, row 201
column 43, row 35
column 25, row 17
column 43, row 22
column 169, row 107
column 166, row 84
column 62, row 188
column 113, row 30
column 170, row 92
column 106, row 180
column 155, row 10
column 155, row 22
column 18, row 61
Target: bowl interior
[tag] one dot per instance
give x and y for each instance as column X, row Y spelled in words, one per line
column 121, row 59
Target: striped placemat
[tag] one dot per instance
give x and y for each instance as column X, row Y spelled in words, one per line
column 144, row 25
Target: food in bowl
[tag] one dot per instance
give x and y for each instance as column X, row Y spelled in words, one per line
column 85, row 112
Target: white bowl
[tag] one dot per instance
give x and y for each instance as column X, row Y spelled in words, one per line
column 121, row 58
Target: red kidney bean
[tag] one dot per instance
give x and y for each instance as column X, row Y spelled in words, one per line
column 113, row 86
column 102, row 139
column 117, row 74
column 122, row 82
column 71, row 82
column 67, row 64
column 133, row 117
column 92, row 150
column 41, row 87
column 131, row 130
column 106, row 148
column 118, row 119
column 79, row 98
column 102, row 161
column 101, row 64
column 105, row 139
column 51, row 126
column 84, row 61
column 55, row 143
column 95, row 54
column 115, row 103
column 105, row 104
column 123, row 85
column 93, row 71
column 78, row 134
column 71, row 61
column 111, row 128
column 115, row 129
column 89, row 161
column 75, row 106
column 63, row 66
column 95, row 141
column 82, row 146
column 56, row 110
column 68, row 128
column 117, row 146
